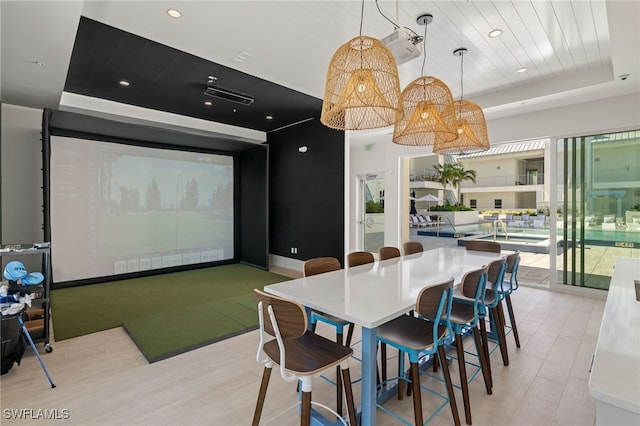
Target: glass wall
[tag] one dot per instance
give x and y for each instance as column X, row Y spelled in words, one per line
column 598, row 206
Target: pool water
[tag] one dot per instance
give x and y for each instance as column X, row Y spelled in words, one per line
column 535, row 239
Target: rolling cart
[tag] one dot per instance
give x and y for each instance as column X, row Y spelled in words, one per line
column 36, row 320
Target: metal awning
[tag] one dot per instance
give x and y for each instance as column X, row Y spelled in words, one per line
column 508, row 148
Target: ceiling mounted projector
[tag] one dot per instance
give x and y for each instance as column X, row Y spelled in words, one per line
column 403, row 44
column 228, row 94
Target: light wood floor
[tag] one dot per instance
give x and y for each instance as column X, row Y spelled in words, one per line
column 102, row 379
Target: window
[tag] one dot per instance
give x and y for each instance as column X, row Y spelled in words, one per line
column 497, row 204
column 473, row 204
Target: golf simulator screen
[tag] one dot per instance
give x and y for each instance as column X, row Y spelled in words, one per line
column 119, row 209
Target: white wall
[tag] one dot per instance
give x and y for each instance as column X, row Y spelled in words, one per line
column 422, row 165
column 493, row 171
column 21, row 156
column 605, row 115
column 613, row 114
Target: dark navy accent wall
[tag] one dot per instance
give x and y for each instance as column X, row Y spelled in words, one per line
column 253, row 212
column 306, row 191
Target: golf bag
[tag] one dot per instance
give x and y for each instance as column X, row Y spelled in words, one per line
column 13, row 342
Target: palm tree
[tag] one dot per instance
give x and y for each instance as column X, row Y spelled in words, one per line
column 460, row 174
column 453, row 174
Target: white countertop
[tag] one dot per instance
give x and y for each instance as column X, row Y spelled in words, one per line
column 615, row 374
column 370, row 295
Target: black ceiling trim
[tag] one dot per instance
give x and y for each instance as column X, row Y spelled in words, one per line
column 166, row 79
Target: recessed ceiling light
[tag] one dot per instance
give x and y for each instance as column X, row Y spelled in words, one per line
column 174, row 13
column 208, row 103
column 124, row 83
column 495, row 33
column 269, row 117
column 521, row 70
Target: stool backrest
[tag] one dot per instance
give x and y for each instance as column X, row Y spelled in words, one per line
column 358, row 258
column 411, row 247
column 320, row 265
column 428, row 300
column 290, row 316
column 513, row 262
column 495, row 273
column 473, row 281
column 473, row 286
column 388, row 252
column 434, row 304
column 483, row 245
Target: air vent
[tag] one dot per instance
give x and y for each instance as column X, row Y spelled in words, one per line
column 228, row 94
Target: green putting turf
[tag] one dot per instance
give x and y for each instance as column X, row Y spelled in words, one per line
column 166, row 314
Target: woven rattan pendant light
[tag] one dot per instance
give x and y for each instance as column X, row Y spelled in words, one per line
column 362, row 89
column 472, row 127
column 428, row 115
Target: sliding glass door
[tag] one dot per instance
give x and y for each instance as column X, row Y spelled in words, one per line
column 598, row 206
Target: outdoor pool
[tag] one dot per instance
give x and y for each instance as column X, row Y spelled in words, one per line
column 535, row 240
column 520, row 242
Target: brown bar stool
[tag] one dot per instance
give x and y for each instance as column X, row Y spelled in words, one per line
column 320, row 265
column 466, row 313
column 513, row 262
column 300, row 354
column 412, row 247
column 417, row 336
column 358, row 258
column 388, row 252
column 384, row 253
column 493, row 303
column 483, row 245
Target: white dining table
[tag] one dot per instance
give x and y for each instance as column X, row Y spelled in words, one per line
column 373, row 294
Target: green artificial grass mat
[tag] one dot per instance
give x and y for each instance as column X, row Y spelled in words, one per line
column 165, row 314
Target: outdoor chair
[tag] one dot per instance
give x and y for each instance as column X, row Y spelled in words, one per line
column 425, row 221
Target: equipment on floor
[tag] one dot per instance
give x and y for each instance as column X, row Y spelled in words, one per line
column 15, row 298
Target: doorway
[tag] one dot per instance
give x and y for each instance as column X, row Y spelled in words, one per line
column 371, row 212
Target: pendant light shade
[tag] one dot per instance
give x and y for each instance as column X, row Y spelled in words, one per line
column 428, row 115
column 362, row 89
column 472, row 131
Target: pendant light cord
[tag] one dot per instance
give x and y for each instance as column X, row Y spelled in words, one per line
column 424, row 48
column 361, row 17
column 461, row 75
